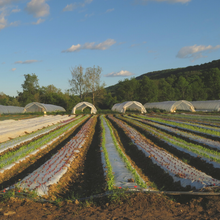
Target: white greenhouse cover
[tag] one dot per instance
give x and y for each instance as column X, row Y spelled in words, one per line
column 40, row 107
column 82, row 105
column 10, row 109
column 171, row 106
column 209, row 105
column 131, row 105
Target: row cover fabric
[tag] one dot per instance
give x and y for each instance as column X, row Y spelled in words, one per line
column 209, row 105
column 131, row 105
column 41, row 107
column 10, row 109
column 171, row 106
column 82, row 105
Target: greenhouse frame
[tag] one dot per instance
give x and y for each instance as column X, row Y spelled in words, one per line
column 82, row 105
column 171, row 106
column 131, row 105
column 10, row 109
column 209, row 105
column 41, row 107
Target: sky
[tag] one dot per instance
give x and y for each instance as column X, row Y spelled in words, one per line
column 126, row 38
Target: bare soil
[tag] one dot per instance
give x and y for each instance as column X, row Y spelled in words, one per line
column 133, row 206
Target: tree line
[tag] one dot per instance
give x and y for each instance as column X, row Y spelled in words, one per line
column 85, row 85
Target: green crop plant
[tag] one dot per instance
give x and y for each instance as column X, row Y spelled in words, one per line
column 122, row 155
column 13, row 156
column 189, row 127
column 197, row 149
column 110, row 176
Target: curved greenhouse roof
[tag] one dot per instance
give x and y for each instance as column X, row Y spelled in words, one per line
column 171, row 106
column 10, row 109
column 40, row 107
column 131, row 105
column 209, row 105
column 82, row 105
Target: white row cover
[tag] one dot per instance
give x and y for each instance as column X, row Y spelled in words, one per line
column 209, row 105
column 171, row 106
column 10, row 109
column 82, row 105
column 131, row 105
column 40, row 107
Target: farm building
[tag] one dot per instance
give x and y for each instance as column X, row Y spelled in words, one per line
column 171, row 106
column 10, row 109
column 129, row 105
column 209, row 105
column 82, row 105
column 40, row 107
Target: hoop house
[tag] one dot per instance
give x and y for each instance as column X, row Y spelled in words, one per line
column 209, row 105
column 131, row 105
column 82, row 105
column 40, row 107
column 171, row 106
column 10, row 109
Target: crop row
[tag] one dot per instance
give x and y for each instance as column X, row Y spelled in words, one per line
column 53, row 170
column 191, row 128
column 196, row 138
column 194, row 150
column 16, row 142
column 120, row 172
column 12, row 158
column 177, row 169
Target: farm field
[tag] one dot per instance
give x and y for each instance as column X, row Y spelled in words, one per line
column 124, row 160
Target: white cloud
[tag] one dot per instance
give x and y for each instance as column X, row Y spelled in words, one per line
column 40, row 20
column 91, row 46
column 14, row 24
column 89, row 15
column 122, row 73
column 13, row 69
column 195, row 51
column 169, row 1
column 38, row 8
column 26, row 62
column 7, row 2
column 16, row 10
column 3, row 21
column 110, row 10
column 75, row 5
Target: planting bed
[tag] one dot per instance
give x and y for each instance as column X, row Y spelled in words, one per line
column 110, row 153
column 179, row 171
column 120, row 172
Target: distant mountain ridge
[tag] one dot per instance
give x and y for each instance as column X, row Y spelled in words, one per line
column 156, row 75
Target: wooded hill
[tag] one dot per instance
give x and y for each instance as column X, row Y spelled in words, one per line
column 199, row 82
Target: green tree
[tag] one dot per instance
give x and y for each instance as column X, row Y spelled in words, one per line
column 212, row 78
column 166, row 91
column 127, row 90
column 77, row 82
column 93, row 84
column 30, row 90
column 147, row 91
column 182, row 85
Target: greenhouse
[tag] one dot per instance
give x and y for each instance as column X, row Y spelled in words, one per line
column 171, row 106
column 209, row 105
column 129, row 105
column 10, row 109
column 82, row 105
column 40, row 107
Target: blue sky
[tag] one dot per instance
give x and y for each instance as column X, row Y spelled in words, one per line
column 126, row 38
